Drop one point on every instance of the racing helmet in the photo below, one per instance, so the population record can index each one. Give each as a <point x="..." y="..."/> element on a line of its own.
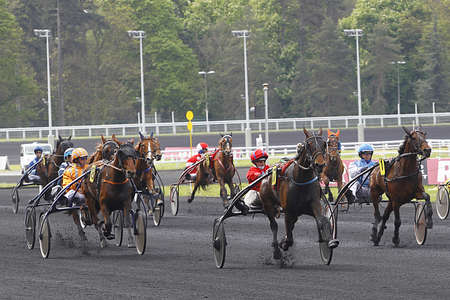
<point x="202" y="148"/>
<point x="258" y="155"/>
<point x="79" y="152"/>
<point x="38" y="148"/>
<point x="68" y="153"/>
<point x="365" y="148"/>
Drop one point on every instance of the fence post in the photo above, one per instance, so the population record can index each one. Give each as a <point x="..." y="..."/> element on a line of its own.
<point x="294" y="125"/>
<point x="156" y="123"/>
<point x="123" y="130"/>
<point x="434" y="113"/>
<point x="415" y="111"/>
<point x="23" y="134"/>
<point x="90" y="131"/>
<point x="7" y="134"/>
<point x="174" y="128"/>
<point x="106" y="131"/>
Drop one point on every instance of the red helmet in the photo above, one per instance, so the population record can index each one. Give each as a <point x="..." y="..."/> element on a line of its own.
<point x="258" y="154"/>
<point x="202" y="147"/>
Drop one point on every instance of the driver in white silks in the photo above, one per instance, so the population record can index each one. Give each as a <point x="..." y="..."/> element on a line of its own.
<point x="360" y="188"/>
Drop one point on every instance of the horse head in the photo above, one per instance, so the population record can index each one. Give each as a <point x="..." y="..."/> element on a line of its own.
<point x="415" y="142"/>
<point x="109" y="148"/>
<point x="225" y="144"/>
<point x="333" y="147"/>
<point x="149" y="147"/>
<point x="125" y="157"/>
<point x="313" y="151"/>
<point x="63" y="144"/>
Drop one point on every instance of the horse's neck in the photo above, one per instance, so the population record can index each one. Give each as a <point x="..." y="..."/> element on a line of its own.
<point x="226" y="160"/>
<point x="298" y="172"/>
<point x="115" y="174"/>
<point x="407" y="164"/>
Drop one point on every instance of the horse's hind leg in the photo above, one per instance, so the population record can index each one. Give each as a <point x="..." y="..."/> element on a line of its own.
<point x="397" y="223"/>
<point x="128" y="225"/>
<point x="274" y="228"/>
<point x="387" y="213"/>
<point x="191" y="198"/>
<point x="428" y="210"/>
<point x="289" y="222"/>
<point x="81" y="232"/>
<point x="375" y="197"/>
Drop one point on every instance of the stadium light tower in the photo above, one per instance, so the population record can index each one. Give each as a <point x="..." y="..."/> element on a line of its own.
<point x="357" y="33"/>
<point x="204" y="73"/>
<point x="45" y="33"/>
<point x="399" y="62"/>
<point x="140" y="34"/>
<point x="248" y="133"/>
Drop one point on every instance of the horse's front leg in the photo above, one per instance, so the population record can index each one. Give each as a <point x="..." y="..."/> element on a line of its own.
<point x="428" y="210"/>
<point x="382" y="227"/>
<point x="289" y="223"/>
<point x="191" y="198"/>
<point x="223" y="193"/>
<point x="397" y="223"/>
<point x="326" y="182"/>
<point x="274" y="228"/>
<point x="231" y="186"/>
<point x="375" y="197"/>
<point x="128" y="225"/>
<point x="107" y="222"/>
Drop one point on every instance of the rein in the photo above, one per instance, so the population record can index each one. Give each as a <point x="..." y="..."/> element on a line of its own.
<point x="303" y="183"/>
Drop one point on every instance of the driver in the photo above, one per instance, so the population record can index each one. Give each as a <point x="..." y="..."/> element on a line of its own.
<point x="32" y="176"/>
<point x="361" y="188"/>
<point x="258" y="158"/>
<point x="79" y="165"/>
<point x="202" y="148"/>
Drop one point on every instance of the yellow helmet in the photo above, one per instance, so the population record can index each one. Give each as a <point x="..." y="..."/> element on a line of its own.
<point x="79" y="152"/>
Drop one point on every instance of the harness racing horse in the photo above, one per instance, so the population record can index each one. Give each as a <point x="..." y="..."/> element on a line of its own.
<point x="222" y="170"/>
<point x="334" y="167"/>
<point x="298" y="192"/>
<point x="110" y="189"/>
<point x="401" y="183"/>
<point x="148" y="149"/>
<point x="105" y="150"/>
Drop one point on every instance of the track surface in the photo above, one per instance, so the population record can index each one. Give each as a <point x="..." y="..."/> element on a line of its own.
<point x="178" y="262"/>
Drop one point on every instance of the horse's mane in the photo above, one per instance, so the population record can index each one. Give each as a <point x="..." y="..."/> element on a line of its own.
<point x="401" y="149"/>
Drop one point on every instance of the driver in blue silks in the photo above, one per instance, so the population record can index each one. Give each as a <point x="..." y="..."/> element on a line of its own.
<point x="32" y="176"/>
<point x="361" y="188"/>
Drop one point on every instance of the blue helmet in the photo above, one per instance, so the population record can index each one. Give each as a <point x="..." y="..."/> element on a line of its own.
<point x="38" y="148"/>
<point x="365" y="148"/>
<point x="68" y="153"/>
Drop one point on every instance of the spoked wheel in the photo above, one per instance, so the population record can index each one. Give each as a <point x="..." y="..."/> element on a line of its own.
<point x="117" y="226"/>
<point x="157" y="214"/>
<point x="44" y="237"/>
<point x="139" y="205"/>
<point x="420" y="224"/>
<point x="219" y="243"/>
<point x="30" y="227"/>
<point x="15" y="200"/>
<point x="326" y="252"/>
<point x="140" y="232"/>
<point x="327" y="211"/>
<point x="174" y="199"/>
<point x="442" y="202"/>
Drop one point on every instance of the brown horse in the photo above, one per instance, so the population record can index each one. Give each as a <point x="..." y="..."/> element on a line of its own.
<point x="110" y="189"/>
<point x="48" y="168"/>
<point x="297" y="191"/>
<point x="105" y="150"/>
<point x="401" y="183"/>
<point x="334" y="167"/>
<point x="221" y="169"/>
<point x="148" y="149"/>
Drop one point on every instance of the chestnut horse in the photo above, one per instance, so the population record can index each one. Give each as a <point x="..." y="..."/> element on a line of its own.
<point x="105" y="150"/>
<point x="110" y="189"/>
<point x="222" y="170"/>
<point x="401" y="183"/>
<point x="148" y="149"/>
<point x="334" y="167"/>
<point x="297" y="191"/>
<point x="48" y="167"/>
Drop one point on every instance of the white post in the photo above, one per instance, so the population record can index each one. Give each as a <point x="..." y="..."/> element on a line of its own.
<point x="266" y="113"/>
<point x="174" y="128"/>
<point x="415" y="111"/>
<point x="360" y="125"/>
<point x="156" y="123"/>
<point x="434" y="113"/>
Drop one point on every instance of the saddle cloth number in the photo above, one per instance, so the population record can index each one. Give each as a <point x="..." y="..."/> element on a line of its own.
<point x="206" y="160"/>
<point x="382" y="168"/>
<point x="274" y="175"/>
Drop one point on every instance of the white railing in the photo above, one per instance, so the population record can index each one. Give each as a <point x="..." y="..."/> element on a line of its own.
<point x="440" y="147"/>
<point x="229" y="125"/>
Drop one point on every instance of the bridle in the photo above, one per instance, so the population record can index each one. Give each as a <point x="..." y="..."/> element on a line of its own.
<point x="225" y="145"/>
<point x="310" y="154"/>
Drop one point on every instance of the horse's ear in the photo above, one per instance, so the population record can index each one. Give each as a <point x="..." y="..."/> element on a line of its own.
<point x="103" y="139"/>
<point x="131" y="141"/>
<point x="338" y="132"/>
<point x="221" y="135"/>
<point x="320" y="131"/>
<point x="231" y="134"/>
<point x="329" y="132"/>
<point x="69" y="138"/>
<point x="60" y="138"/>
<point x="406" y="130"/>
<point x="151" y="134"/>
<point x="141" y="136"/>
<point x="305" y="132"/>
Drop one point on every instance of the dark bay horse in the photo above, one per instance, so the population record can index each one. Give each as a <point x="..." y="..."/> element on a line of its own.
<point x="110" y="189"/>
<point x="221" y="168"/>
<point x="105" y="150"/>
<point x="148" y="149"/>
<point x="334" y="167"/>
<point x="297" y="191"/>
<point x="48" y="168"/>
<point x="401" y="183"/>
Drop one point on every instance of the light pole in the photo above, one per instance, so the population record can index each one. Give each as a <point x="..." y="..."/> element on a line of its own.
<point x="140" y="34"/>
<point x="248" y="133"/>
<point x="357" y="33"/>
<point x="204" y="73"/>
<point x="266" y="113"/>
<point x="399" y="62"/>
<point x="46" y="33"/>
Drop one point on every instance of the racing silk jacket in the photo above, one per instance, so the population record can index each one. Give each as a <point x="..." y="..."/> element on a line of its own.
<point x="63" y="167"/>
<point x="195" y="158"/>
<point x="70" y="174"/>
<point x="356" y="167"/>
<point x="32" y="165"/>
<point x="253" y="174"/>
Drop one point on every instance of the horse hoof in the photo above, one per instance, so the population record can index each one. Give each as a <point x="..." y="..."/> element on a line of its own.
<point x="429" y="223"/>
<point x="396" y="241"/>
<point x="285" y="244"/>
<point x="83" y="237"/>
<point x="189" y="200"/>
<point x="103" y="243"/>
<point x="277" y="254"/>
<point x="333" y="243"/>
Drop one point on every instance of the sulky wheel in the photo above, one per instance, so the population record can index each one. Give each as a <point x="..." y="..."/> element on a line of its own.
<point x="30" y="227"/>
<point x="174" y="199"/>
<point x="140" y="232"/>
<point x="117" y="226"/>
<point x="15" y="200"/>
<point x="420" y="224"/>
<point x="442" y="202"/>
<point x="44" y="237"/>
<point x="157" y="214"/>
<point x="327" y="211"/>
<point x="219" y="243"/>
<point x="326" y="252"/>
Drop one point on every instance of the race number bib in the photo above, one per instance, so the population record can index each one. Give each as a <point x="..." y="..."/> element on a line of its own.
<point x="92" y="174"/>
<point x="382" y="169"/>
<point x="274" y="175"/>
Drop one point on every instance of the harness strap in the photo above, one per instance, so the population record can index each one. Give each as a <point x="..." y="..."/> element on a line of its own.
<point x="303" y="183"/>
<point x="112" y="182"/>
